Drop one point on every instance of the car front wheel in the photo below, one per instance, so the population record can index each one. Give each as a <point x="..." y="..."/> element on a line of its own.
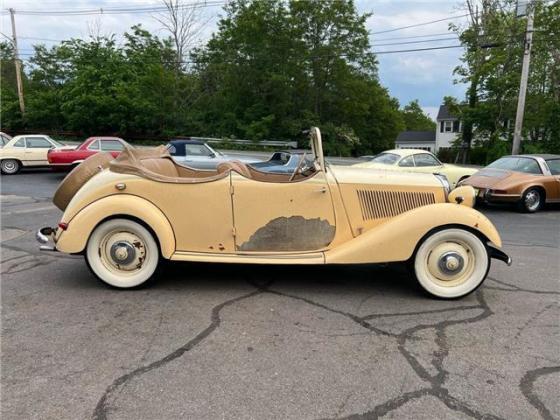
<point x="531" y="201"/>
<point x="122" y="253"/>
<point x="10" y="166"/>
<point x="451" y="263"/>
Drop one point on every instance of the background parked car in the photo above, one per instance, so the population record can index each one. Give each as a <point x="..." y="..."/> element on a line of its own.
<point x="416" y="160"/>
<point x="198" y="154"/>
<point x="527" y="180"/>
<point x="4" y="139"/>
<point x="29" y="150"/>
<point x="283" y="162"/>
<point x="66" y="159"/>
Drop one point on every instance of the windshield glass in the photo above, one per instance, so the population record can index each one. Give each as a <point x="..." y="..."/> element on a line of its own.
<point x="518" y="164"/>
<point x="385" y="158"/>
<point x="198" y="150"/>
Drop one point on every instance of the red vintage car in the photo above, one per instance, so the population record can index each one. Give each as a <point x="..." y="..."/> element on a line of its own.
<point x="68" y="159"/>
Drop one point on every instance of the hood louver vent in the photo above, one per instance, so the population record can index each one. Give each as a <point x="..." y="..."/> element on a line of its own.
<point x="383" y="204"/>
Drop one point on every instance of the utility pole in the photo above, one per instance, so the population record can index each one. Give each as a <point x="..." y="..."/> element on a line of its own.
<point x="523" y="83"/>
<point x="17" y="63"/>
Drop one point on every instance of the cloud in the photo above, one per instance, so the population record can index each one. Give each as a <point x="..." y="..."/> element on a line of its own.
<point x="425" y="75"/>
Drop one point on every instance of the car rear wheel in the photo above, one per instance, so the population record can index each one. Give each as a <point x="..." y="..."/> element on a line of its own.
<point x="531" y="201"/>
<point x="10" y="166"/>
<point x="122" y="253"/>
<point x="451" y="263"/>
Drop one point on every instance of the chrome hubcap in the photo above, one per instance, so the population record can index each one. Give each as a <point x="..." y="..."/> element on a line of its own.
<point x="9" y="166"/>
<point x="451" y="263"/>
<point x="122" y="253"/>
<point x="532" y="200"/>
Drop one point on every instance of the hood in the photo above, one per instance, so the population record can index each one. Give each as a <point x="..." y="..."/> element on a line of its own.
<point x="464" y="169"/>
<point x="365" y="175"/>
<point x="494" y="178"/>
<point x="374" y="165"/>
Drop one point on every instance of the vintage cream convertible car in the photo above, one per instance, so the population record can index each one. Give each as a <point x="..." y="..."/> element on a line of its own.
<point x="125" y="215"/>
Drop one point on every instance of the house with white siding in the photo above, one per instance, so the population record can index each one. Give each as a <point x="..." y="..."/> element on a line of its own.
<point x="447" y="129"/>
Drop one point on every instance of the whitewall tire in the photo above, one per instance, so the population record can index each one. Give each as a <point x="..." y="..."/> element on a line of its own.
<point x="122" y="253"/>
<point x="451" y="263"/>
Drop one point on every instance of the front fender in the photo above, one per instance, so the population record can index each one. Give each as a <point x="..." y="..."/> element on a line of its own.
<point x="75" y="237"/>
<point x="397" y="238"/>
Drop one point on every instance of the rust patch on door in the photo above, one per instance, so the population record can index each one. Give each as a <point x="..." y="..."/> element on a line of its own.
<point x="295" y="233"/>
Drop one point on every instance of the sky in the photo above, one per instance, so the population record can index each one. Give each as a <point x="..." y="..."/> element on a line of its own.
<point x="423" y="75"/>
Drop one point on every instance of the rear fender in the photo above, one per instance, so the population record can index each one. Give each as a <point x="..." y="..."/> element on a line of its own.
<point x="397" y="238"/>
<point x="75" y="237"/>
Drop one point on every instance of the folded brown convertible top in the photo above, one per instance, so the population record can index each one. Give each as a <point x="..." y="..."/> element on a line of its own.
<point x="156" y="163"/>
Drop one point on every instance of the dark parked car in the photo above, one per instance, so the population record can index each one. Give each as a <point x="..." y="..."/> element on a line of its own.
<point x="284" y="162"/>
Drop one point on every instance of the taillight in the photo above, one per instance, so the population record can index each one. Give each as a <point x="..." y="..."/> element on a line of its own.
<point x="63" y="225"/>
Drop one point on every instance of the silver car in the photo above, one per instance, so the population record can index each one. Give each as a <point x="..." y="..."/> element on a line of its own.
<point x="198" y="154"/>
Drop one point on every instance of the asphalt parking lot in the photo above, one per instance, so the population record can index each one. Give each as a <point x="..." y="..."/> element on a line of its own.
<point x="259" y="342"/>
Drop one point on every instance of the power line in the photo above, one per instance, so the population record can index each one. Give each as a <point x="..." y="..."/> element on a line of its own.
<point x="421" y="24"/>
<point x="414" y="36"/>
<point x="417" y="49"/>
<point x="415" y="42"/>
<point x="119" y="10"/>
<point x="41" y="39"/>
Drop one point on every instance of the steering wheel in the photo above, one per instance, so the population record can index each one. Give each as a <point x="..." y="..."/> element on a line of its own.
<point x="301" y="167"/>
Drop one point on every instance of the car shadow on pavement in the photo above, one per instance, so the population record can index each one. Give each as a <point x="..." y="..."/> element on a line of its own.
<point x="387" y="279"/>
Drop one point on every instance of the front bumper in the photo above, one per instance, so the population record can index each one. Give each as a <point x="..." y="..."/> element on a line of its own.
<point x="44" y="236"/>
<point x="499" y="255"/>
<point x="489" y="196"/>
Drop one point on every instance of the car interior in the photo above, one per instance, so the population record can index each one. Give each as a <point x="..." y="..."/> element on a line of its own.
<point x="158" y="165"/>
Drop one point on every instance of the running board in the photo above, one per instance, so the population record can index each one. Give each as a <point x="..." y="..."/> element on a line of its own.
<point x="306" y="258"/>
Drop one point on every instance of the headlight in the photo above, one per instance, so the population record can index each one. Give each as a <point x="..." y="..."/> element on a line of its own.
<point x="445" y="182"/>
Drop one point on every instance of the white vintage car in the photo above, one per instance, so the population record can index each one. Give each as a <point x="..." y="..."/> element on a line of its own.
<point x="28" y="150"/>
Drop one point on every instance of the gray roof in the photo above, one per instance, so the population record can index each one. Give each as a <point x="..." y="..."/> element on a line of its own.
<point x="416" y="137"/>
<point x="444" y="114"/>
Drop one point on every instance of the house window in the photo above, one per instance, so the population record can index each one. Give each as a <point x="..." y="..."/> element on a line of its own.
<point x="448" y="128"/>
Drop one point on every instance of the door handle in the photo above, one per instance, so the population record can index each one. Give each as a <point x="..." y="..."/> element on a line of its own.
<point x="322" y="190"/>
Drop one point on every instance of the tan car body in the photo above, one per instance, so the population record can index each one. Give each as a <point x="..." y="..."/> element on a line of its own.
<point x="340" y="215"/>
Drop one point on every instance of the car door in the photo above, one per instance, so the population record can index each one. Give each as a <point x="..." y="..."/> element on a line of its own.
<point x="36" y="150"/>
<point x="17" y="150"/>
<point x="201" y="157"/>
<point x="554" y="184"/>
<point x="282" y="217"/>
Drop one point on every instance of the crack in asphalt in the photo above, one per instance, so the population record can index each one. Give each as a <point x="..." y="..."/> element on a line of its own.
<point x="102" y="408"/>
<point x="431" y="311"/>
<point x="435" y="381"/>
<point x="527" y="388"/>
<point x="515" y="288"/>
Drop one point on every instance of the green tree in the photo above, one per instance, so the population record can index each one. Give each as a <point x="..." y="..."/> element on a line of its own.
<point x="491" y="66"/>
<point x="415" y="119"/>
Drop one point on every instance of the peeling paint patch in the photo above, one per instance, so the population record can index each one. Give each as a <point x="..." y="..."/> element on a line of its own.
<point x="295" y="233"/>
